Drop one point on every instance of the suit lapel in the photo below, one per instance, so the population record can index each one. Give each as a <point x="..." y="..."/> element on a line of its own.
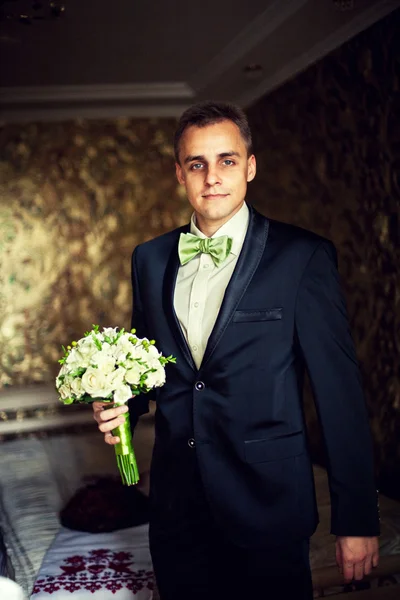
<point x="171" y="273"/>
<point x="249" y="258"/>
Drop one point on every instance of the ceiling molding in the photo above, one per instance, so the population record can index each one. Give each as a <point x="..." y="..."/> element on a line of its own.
<point x="39" y="112"/>
<point x="360" y="22"/>
<point x="221" y="77"/>
<point x="97" y="93"/>
<point x="254" y="33"/>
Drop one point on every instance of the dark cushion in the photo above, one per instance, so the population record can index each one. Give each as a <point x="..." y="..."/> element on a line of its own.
<point x="105" y="505"/>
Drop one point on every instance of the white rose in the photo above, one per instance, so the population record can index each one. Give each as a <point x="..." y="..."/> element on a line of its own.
<point x="96" y="383"/>
<point x="122" y="394"/>
<point x="141" y="352"/>
<point x="153" y="352"/>
<point x="156" y="378"/>
<point x="116" y="378"/>
<point x="103" y="360"/>
<point x="124" y="347"/>
<point x="73" y="361"/>
<point x="133" y="374"/>
<point x="63" y="371"/>
<point x="108" y="348"/>
<point x="76" y="387"/>
<point x="154" y="363"/>
<point x="85" y="349"/>
<point x="65" y="390"/>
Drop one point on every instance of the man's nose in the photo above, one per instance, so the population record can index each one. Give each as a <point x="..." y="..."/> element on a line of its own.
<point x="212" y="176"/>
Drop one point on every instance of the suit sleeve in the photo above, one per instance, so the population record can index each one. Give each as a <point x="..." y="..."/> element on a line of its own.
<point x="325" y="340"/>
<point x="138" y="405"/>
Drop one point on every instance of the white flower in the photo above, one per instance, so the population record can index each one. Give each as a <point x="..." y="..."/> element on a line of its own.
<point x="116" y="378"/>
<point x="96" y="383"/>
<point x="73" y="361"/>
<point x="103" y="360"/>
<point x="122" y="394"/>
<point x="76" y="387"/>
<point x="59" y="379"/>
<point x="133" y="374"/>
<point x="66" y="390"/>
<point x="124" y="347"/>
<point x="85" y="350"/>
<point x="153" y="352"/>
<point x="156" y="378"/>
<point x="110" y="332"/>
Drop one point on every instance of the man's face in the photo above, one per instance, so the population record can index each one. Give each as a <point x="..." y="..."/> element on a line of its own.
<point x="214" y="168"/>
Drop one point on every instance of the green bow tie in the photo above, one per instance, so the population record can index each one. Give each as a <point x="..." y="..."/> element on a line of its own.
<point x="191" y="245"/>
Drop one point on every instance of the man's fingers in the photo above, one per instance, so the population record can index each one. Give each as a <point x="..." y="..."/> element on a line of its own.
<point x="348" y="572"/>
<point x="374" y="551"/>
<point x="104" y="414"/>
<point x="368" y="565"/>
<point x="359" y="570"/>
<point x="111" y="439"/>
<point x="112" y="413"/>
<point x="99" y="405"/>
<point x="110" y="425"/>
<point x="358" y="555"/>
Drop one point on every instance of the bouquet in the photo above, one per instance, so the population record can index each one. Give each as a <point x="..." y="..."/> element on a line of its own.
<point x="112" y="366"/>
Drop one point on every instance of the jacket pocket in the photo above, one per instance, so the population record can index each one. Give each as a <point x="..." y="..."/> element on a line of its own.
<point x="279" y="448"/>
<point x="248" y="315"/>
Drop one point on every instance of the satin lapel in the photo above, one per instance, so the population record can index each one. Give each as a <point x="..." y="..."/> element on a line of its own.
<point x="249" y="258"/>
<point x="171" y="273"/>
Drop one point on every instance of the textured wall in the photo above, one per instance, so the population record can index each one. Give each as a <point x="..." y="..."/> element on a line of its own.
<point x="75" y="198"/>
<point x="327" y="145"/>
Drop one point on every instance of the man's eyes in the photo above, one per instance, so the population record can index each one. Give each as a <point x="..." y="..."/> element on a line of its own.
<point x="227" y="162"/>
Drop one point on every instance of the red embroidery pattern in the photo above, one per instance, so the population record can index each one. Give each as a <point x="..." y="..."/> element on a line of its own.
<point x="99" y="569"/>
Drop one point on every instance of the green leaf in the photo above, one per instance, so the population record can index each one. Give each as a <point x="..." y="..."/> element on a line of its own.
<point x="96" y="341"/>
<point x="78" y="372"/>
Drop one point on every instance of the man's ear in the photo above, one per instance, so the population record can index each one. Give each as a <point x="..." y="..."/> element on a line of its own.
<point x="179" y="174"/>
<point x="251" y="167"/>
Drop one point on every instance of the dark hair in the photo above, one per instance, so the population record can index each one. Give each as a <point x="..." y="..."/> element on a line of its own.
<point x="209" y="113"/>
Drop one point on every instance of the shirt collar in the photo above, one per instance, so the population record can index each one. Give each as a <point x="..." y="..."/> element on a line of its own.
<point x="235" y="228"/>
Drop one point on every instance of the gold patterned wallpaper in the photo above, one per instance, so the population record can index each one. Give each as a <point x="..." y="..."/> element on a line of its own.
<point x="327" y="145"/>
<point x="76" y="197"/>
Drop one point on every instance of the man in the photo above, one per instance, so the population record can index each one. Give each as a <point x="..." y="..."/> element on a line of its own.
<point x="245" y="306"/>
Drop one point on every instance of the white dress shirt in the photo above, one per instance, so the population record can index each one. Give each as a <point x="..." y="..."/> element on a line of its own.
<point x="200" y="285"/>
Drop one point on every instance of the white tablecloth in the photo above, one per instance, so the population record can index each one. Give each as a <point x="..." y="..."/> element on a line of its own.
<point x="97" y="566"/>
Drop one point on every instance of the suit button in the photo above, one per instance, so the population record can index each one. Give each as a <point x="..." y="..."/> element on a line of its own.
<point x="191" y="443"/>
<point x="199" y="385"/>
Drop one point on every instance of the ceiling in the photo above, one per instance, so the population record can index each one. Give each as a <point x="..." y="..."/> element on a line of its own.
<point x="139" y="58"/>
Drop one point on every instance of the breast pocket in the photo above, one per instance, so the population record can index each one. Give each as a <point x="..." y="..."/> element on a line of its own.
<point x="250" y="315"/>
<point x="273" y="449"/>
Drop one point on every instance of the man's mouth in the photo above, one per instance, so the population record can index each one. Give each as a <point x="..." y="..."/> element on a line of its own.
<point x="214" y="196"/>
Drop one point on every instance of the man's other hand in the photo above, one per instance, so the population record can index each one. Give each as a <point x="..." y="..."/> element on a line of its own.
<point x="356" y="556"/>
<point x="108" y="419"/>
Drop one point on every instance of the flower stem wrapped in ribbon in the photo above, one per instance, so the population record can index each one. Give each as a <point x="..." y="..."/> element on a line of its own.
<point x="112" y="366"/>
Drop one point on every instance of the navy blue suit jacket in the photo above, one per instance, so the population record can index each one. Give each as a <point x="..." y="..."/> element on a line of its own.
<point x="283" y="312"/>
